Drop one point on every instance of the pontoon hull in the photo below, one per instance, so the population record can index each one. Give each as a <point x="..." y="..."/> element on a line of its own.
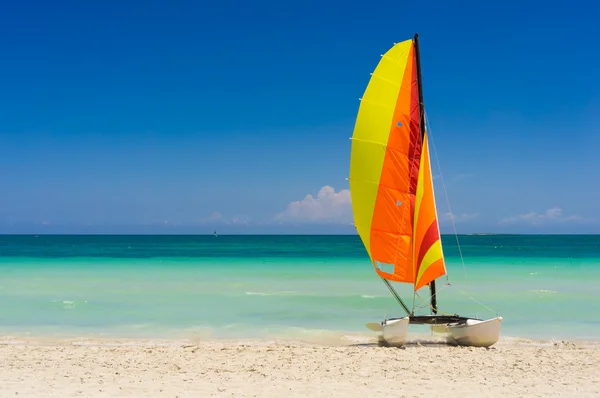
<point x="394" y="332"/>
<point x="472" y="333"/>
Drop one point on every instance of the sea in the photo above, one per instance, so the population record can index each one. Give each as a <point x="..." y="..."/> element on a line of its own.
<point x="283" y="286"/>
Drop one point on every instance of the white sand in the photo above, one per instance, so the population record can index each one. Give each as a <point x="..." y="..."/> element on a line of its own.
<point x="279" y="369"/>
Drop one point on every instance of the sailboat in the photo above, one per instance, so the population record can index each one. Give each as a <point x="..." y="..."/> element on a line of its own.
<point x="393" y="203"/>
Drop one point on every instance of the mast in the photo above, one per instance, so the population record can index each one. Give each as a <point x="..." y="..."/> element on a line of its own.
<point x="422" y="125"/>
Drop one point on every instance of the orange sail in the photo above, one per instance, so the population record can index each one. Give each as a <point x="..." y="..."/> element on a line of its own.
<point x="390" y="174"/>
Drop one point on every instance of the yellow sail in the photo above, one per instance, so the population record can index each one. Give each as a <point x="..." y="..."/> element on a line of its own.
<point x="390" y="176"/>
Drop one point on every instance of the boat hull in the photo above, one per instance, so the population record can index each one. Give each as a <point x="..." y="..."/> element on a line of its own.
<point x="473" y="332"/>
<point x="394" y="332"/>
<point x="468" y="332"/>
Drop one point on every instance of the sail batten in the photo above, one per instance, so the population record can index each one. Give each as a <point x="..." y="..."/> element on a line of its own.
<point x="390" y="176"/>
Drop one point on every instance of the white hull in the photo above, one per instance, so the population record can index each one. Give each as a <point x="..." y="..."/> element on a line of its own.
<point x="393" y="332"/>
<point x="473" y="333"/>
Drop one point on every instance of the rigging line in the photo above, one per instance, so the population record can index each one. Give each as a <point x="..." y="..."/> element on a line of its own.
<point x="452" y="220"/>
<point x="426" y="304"/>
<point x="464" y="292"/>
<point x="436" y="293"/>
<point x="447" y="199"/>
<point x="475" y="300"/>
<point x="396" y="296"/>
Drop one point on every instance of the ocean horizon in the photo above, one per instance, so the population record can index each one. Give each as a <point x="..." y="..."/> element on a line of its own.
<point x="284" y="286"/>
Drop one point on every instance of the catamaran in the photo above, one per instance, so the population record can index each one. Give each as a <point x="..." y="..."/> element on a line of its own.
<point x="393" y="201"/>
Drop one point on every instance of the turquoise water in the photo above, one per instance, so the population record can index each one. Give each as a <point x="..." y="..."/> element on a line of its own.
<point x="283" y="286"/>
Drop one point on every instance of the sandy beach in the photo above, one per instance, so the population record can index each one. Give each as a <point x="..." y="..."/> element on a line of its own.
<point x="115" y="368"/>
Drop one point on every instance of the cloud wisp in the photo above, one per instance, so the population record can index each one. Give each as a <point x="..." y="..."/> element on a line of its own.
<point x="553" y="215"/>
<point x="335" y="207"/>
<point x="216" y="218"/>
<point x="328" y="206"/>
<point x="459" y="218"/>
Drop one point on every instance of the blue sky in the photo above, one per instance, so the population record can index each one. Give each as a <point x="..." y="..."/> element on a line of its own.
<point x="156" y="116"/>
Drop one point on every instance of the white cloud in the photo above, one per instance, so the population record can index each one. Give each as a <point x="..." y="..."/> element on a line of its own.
<point x="552" y="215"/>
<point x="457" y="218"/>
<point x="217" y="218"/>
<point x="328" y="206"/>
<point x="214" y="217"/>
<point x="238" y="220"/>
